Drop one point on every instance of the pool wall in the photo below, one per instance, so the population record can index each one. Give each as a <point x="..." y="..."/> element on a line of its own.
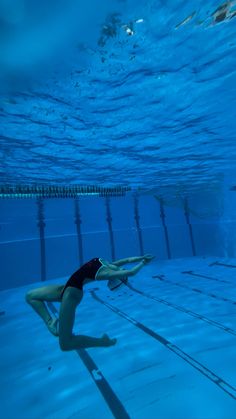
<point x="49" y="238"/>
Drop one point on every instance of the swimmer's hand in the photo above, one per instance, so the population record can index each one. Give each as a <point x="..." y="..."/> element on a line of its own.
<point x="148" y="258"/>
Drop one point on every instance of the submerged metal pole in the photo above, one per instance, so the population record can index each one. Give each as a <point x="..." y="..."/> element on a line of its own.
<point x="41" y="225"/>
<point x="186" y="213"/>
<point x="162" y="215"/>
<point x="109" y="222"/>
<point x="78" y="228"/>
<point x="137" y="220"/>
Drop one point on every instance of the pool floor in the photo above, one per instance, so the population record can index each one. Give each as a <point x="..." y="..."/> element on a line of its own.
<point x="174" y="358"/>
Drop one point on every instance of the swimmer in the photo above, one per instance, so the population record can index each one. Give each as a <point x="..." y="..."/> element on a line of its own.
<point x="224" y="12"/>
<point x="71" y="294"/>
<point x="129" y="29"/>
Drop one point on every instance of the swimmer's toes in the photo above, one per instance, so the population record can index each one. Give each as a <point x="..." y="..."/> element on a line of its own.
<point x="107" y="341"/>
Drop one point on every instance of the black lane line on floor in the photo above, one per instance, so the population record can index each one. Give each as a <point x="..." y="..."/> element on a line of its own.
<point x="217" y="297"/>
<point x="222" y="264"/>
<point x="110" y="397"/>
<point x="184" y="310"/>
<point x="207" y="277"/>
<point x="222" y="384"/>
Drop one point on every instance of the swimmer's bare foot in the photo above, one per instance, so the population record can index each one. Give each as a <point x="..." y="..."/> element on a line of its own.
<point x="106" y="341"/>
<point x="52" y="326"/>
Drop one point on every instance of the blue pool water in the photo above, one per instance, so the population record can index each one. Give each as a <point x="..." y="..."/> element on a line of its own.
<point x="153" y="110"/>
<point x="117" y="139"/>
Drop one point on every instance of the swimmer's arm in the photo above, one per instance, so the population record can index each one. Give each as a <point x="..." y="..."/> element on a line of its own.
<point x="111" y="274"/>
<point x="134" y="259"/>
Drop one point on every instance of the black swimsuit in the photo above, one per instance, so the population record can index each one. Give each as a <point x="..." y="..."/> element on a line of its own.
<point x="88" y="270"/>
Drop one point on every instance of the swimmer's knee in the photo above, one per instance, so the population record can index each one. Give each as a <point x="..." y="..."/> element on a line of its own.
<point x="64" y="348"/>
<point x="64" y="345"/>
<point x="28" y="297"/>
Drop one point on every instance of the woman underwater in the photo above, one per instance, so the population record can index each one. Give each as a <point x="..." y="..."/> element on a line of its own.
<point x="71" y="294"/>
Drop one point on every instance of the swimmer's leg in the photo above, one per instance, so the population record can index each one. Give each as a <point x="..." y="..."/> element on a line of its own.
<point x="36" y="299"/>
<point x="68" y="342"/>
